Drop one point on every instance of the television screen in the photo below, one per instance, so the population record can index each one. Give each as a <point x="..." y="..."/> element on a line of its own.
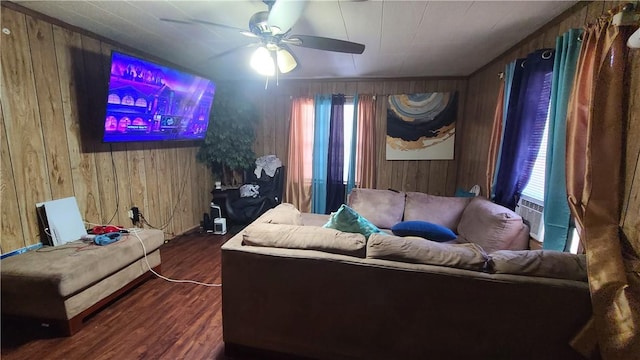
<point x="152" y="102"/>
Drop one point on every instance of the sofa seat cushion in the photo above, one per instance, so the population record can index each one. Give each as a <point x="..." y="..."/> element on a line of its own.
<point x="304" y="237"/>
<point x="284" y="213"/>
<point x="383" y="208"/>
<point x="348" y="220"/>
<point x="441" y="210"/>
<point x="421" y="251"/>
<point x="70" y="268"/>
<point x="542" y="263"/>
<point x="493" y="227"/>
<point x="424" y="229"/>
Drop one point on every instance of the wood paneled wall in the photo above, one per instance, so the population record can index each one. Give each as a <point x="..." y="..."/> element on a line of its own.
<point x="435" y="177"/>
<point x="53" y="80"/>
<point x="53" y="87"/>
<point x="475" y="127"/>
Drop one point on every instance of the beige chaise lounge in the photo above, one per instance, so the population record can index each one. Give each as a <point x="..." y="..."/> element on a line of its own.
<point x="58" y="287"/>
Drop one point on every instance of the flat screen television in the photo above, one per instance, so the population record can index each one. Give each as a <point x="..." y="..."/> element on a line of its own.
<point x="147" y="101"/>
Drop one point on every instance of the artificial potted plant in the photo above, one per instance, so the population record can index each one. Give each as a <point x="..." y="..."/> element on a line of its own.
<point x="228" y="147"/>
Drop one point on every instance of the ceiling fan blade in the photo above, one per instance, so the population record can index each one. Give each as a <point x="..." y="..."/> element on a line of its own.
<point x="322" y="43"/>
<point x="284" y="14"/>
<point x="205" y="22"/>
<point x="249" y="34"/>
<point x="227" y="52"/>
<point x="178" y="21"/>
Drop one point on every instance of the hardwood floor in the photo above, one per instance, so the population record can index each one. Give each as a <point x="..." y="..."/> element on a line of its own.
<point x="157" y="320"/>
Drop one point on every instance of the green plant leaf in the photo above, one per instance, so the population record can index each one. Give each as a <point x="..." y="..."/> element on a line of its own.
<point x="231" y="134"/>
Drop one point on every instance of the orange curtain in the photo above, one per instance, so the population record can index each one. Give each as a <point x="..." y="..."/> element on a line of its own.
<point x="365" y="148"/>
<point x="300" y="155"/>
<point x="595" y="144"/>
<point x="494" y="145"/>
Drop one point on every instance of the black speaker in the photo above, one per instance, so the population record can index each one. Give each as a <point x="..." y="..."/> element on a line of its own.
<point x="207" y="224"/>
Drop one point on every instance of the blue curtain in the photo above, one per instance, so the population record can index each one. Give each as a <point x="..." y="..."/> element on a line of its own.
<point x="512" y="95"/>
<point x="351" y="176"/>
<point x="322" y="105"/>
<point x="509" y="72"/>
<point x="335" y="158"/>
<point x="557" y="215"/>
<point x="526" y="119"/>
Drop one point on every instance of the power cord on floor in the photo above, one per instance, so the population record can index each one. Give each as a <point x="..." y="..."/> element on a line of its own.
<point x="135" y="231"/>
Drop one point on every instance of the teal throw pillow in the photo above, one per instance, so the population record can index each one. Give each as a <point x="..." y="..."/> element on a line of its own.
<point x="424" y="229"/>
<point x="348" y="220"/>
<point x="463" y="193"/>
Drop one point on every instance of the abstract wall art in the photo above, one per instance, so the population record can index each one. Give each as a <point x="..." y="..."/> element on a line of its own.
<point x="421" y="126"/>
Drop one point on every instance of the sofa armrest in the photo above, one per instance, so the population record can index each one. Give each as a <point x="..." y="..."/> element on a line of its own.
<point x="492" y="226"/>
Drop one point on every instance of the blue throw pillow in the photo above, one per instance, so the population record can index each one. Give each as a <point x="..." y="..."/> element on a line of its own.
<point x="424" y="229"/>
<point x="348" y="220"/>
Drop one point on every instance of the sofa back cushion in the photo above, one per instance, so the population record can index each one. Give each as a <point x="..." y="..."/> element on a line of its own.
<point x="543" y="263"/>
<point x="493" y="227"/>
<point x="304" y="237"/>
<point x="441" y="210"/>
<point x="311" y="219"/>
<point x="422" y="251"/>
<point x="284" y="213"/>
<point x="383" y="208"/>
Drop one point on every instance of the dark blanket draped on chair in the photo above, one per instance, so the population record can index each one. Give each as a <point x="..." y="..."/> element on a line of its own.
<point x="243" y="210"/>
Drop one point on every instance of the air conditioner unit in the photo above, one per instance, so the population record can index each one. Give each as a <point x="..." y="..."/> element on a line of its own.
<point x="531" y="210"/>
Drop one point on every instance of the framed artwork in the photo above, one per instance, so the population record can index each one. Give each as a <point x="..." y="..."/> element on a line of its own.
<point x="421" y="126"/>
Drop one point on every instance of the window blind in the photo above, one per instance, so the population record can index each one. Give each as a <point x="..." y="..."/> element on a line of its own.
<point x="535" y="187"/>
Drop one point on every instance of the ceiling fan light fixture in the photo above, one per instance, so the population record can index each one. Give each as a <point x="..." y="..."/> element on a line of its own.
<point x="262" y="62"/>
<point x="286" y="61"/>
<point x="275" y="30"/>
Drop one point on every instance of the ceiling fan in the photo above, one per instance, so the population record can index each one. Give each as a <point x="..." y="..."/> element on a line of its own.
<point x="272" y="29"/>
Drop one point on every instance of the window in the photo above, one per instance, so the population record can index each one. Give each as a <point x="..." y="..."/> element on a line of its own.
<point x="519" y="177"/>
<point x="348" y="136"/>
<point x="574" y="240"/>
<point x="306" y="123"/>
<point x="348" y="110"/>
<point x="535" y="187"/>
<point x="532" y="196"/>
